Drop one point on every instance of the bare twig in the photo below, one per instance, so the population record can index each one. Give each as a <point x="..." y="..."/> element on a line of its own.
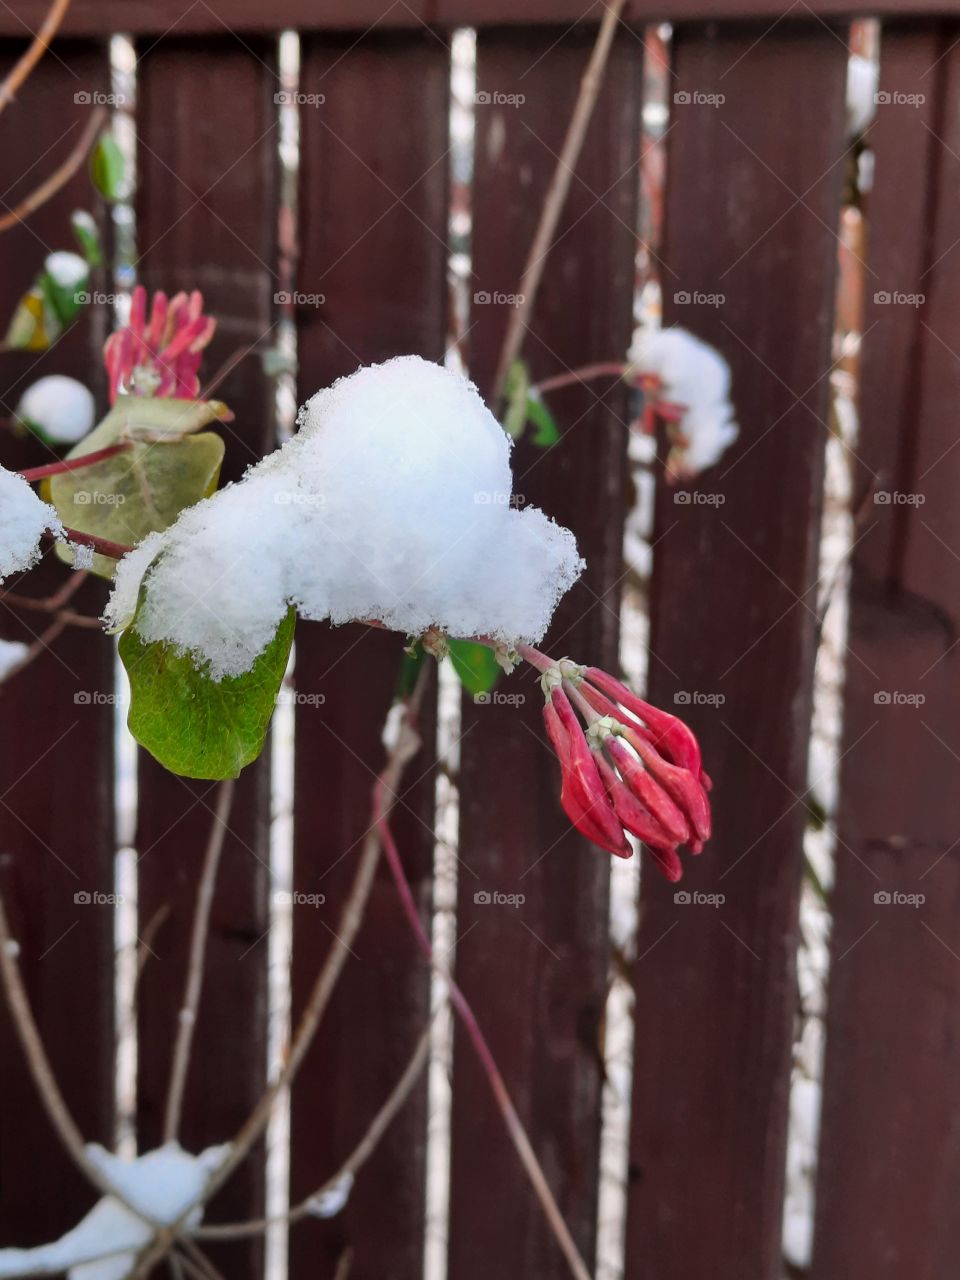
<point x="351" y="917"/>
<point x="37" y="49"/>
<point x="587" y="373"/>
<point x="556" y="196"/>
<point x="350" y="1167"/>
<point x="349" y="924"/>
<point x="40" y="645"/>
<point x="102" y="546"/>
<point x="154" y="925"/>
<point x="50" y="604"/>
<point x="41" y="1071"/>
<point x="198" y="948"/>
<point x="515" y="1129"/>
<point x="344" y="1264"/>
<point x="63" y="466"/>
<point x="60" y="176"/>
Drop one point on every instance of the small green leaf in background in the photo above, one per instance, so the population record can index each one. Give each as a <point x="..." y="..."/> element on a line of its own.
<point x="476" y="665"/>
<point x="195" y="726"/>
<point x="87" y="235"/>
<point x="167" y="468"/>
<point x="515" y="392"/>
<point x="107" y="167"/>
<point x="547" y="432"/>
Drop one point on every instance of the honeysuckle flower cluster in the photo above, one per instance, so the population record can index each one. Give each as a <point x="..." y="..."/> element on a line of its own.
<point x="159" y="356"/>
<point x="626" y="766"/>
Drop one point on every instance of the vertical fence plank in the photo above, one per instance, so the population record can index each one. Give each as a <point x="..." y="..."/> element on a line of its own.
<point x="752" y="217"/>
<point x="889" y="1154"/>
<point x="206" y="209"/>
<point x="56" y="757"/>
<point x="536" y="975"/>
<point x="373" y="207"/>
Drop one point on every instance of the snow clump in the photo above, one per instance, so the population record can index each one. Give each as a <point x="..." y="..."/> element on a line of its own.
<point x="24" y="519"/>
<point x="393" y="503"/>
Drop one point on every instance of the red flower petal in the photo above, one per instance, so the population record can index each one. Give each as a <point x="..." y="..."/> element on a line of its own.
<point x="671" y="735"/>
<point x="648" y="790"/>
<point x="582" y="792"/>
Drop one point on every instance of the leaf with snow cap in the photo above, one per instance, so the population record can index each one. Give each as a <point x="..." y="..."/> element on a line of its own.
<point x="87" y="235"/>
<point x="167" y="468"/>
<point x="196" y="726"/>
<point x="51" y="303"/>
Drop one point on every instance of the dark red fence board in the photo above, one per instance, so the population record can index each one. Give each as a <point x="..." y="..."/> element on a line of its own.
<point x="536" y="975"/>
<point x="188" y="17"/>
<point x="750" y="216"/>
<point x="889" y="1154"/>
<point x="373" y="234"/>
<point x="206" y="206"/>
<point x="56" y="799"/>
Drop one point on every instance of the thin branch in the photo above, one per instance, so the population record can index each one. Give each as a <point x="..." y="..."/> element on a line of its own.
<point x="43" y="642"/>
<point x="69" y="617"/>
<point x="351" y="918"/>
<point x="350" y="1167"/>
<point x="60" y="176"/>
<point x="65" y="465"/>
<point x="38" y="48"/>
<point x="515" y="1128"/>
<point x="587" y="373"/>
<point x="198" y="948"/>
<point x="344" y="1264"/>
<point x="41" y="1071"/>
<point x="154" y="925"/>
<point x="556" y="196"/>
<point x="102" y="546"/>
<point x="50" y="604"/>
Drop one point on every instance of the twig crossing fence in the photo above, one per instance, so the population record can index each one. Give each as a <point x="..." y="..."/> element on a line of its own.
<point x="752" y="207"/>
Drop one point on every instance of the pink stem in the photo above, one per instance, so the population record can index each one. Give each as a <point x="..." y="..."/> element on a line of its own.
<point x="75" y="464"/>
<point x="103" y="546"/>
<point x="459" y="1001"/>
<point x="610" y="369"/>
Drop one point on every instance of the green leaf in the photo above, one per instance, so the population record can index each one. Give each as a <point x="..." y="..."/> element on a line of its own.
<point x="195" y="726"/>
<point x="166" y="469"/>
<point x="515" y="392"/>
<point x="34" y="325"/>
<point x="476" y="665"/>
<point x="547" y="431"/>
<point x="87" y="235"/>
<point x="107" y="167"/>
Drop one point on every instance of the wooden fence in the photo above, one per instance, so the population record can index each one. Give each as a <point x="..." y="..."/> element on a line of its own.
<point x="752" y="207"/>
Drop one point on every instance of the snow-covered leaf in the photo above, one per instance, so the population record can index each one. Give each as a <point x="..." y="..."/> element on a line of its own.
<point x="167" y="468"/>
<point x="87" y="234"/>
<point x="50" y="304"/>
<point x="58" y="409"/>
<point x="196" y="726"/>
<point x="391" y="503"/>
